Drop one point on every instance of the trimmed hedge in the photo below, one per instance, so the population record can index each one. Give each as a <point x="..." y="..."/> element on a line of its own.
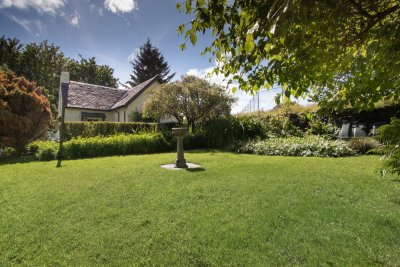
<point x="308" y="146"/>
<point x="102" y="146"/>
<point x="92" y="129"/>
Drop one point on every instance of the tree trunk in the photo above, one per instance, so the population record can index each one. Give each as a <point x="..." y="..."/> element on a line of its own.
<point x="193" y="125"/>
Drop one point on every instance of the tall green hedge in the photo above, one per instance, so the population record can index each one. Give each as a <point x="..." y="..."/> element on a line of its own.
<point x="92" y="129"/>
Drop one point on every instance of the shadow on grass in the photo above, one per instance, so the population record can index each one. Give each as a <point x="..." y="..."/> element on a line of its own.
<point x="396" y="180"/>
<point x="15" y="160"/>
<point x="195" y="169"/>
<point x="206" y="150"/>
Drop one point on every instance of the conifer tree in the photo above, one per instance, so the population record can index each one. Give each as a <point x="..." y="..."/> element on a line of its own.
<point x="149" y="63"/>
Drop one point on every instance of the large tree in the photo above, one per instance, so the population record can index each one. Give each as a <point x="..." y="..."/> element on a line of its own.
<point x="24" y="111"/>
<point x="192" y="97"/>
<point x="148" y="63"/>
<point x="42" y="63"/>
<point x="88" y="71"/>
<point x="345" y="53"/>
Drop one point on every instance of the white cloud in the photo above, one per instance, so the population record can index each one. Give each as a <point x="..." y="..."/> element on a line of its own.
<point x="133" y="55"/>
<point x="75" y="20"/>
<point x="100" y="12"/>
<point x="121" y="6"/>
<point x="34" y="27"/>
<point x="42" y="6"/>
<point x="24" y="23"/>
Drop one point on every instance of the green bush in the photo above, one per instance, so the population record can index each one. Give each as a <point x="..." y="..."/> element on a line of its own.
<point x="389" y="135"/>
<point x="223" y="132"/>
<point x="92" y="129"/>
<point x="310" y="146"/>
<point x="43" y="150"/>
<point x="320" y="126"/>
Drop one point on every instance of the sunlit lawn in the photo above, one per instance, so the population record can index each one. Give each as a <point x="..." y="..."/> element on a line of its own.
<point x="242" y="210"/>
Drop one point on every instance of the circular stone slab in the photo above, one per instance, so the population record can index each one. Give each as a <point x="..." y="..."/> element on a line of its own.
<point x="172" y="166"/>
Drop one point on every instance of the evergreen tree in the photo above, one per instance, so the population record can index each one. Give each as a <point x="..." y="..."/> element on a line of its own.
<point x="149" y="63"/>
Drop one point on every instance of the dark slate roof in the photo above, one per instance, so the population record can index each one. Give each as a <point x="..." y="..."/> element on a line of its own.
<point x="90" y="96"/>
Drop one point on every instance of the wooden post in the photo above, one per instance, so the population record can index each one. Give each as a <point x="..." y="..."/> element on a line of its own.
<point x="64" y="84"/>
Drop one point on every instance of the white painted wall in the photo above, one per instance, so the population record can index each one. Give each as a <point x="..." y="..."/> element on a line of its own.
<point x="75" y="114"/>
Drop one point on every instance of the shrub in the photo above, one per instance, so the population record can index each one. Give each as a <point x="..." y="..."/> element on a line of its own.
<point x="43" y="150"/>
<point x="389" y="135"/>
<point x="363" y="145"/>
<point x="321" y="126"/>
<point x="223" y="132"/>
<point x="24" y="111"/>
<point x="92" y="129"/>
<point x="311" y="146"/>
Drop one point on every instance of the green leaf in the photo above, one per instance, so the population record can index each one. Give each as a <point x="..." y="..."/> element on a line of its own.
<point x="249" y="45"/>
<point x="181" y="28"/>
<point x="193" y="38"/>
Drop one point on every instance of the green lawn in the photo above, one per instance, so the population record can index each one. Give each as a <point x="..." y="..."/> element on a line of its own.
<point x="239" y="210"/>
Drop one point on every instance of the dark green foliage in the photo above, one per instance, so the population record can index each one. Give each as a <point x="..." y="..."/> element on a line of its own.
<point x="223" y="132"/>
<point x="308" y="146"/>
<point x="87" y="71"/>
<point x="92" y="129"/>
<point x="389" y="135"/>
<point x="149" y="63"/>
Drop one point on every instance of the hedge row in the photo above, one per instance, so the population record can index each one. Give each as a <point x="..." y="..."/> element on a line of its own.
<point x="102" y="146"/>
<point x="92" y="129"/>
<point x="114" y="145"/>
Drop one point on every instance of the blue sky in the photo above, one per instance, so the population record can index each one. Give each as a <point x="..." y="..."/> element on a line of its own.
<point x="112" y="31"/>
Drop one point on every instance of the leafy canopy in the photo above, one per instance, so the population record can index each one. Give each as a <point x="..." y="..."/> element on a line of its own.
<point x="344" y="53"/>
<point x="192" y="97"/>
<point x="24" y="111"/>
<point x="42" y="62"/>
<point x="88" y="71"/>
<point x="149" y="63"/>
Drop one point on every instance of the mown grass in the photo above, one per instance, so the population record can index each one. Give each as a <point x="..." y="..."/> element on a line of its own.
<point x="238" y="210"/>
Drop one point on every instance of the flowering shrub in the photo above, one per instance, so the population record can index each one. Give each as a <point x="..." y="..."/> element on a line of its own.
<point x="308" y="146"/>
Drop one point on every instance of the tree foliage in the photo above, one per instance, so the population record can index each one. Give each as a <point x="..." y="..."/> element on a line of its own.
<point x="192" y="97"/>
<point x="42" y="63"/>
<point x="88" y="71"/>
<point x="24" y="111"/>
<point x="344" y="53"/>
<point x="149" y="63"/>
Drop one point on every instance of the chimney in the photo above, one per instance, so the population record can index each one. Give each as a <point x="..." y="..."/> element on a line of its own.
<point x="64" y="77"/>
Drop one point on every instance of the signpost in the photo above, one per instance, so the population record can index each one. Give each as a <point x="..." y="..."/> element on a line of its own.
<point x="64" y="84"/>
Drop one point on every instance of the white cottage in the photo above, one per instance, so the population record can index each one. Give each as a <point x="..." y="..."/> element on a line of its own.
<point x="89" y="102"/>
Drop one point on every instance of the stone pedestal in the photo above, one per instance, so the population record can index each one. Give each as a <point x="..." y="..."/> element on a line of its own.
<point x="180" y="134"/>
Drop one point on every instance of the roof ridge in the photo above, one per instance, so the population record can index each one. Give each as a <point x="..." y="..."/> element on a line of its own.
<point x="149" y="80"/>
<point x="91" y="84"/>
<point x="138" y="89"/>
